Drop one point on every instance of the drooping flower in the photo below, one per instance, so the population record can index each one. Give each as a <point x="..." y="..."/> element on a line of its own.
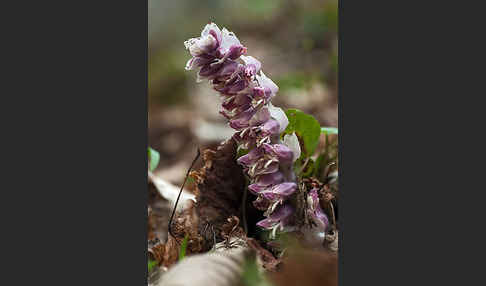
<point x="214" y="52"/>
<point x="280" y="219"/>
<point x="315" y="211"/>
<point x="265" y="181"/>
<point x="246" y="94"/>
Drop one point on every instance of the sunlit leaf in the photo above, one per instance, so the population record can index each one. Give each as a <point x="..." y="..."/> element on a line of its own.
<point x="306" y="127"/>
<point x="154" y="158"/>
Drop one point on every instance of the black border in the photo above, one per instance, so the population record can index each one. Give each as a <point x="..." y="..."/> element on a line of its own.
<point x="78" y="136"/>
<point x="76" y="139"/>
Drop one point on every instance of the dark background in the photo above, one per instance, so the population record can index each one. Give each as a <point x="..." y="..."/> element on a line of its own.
<point x="74" y="142"/>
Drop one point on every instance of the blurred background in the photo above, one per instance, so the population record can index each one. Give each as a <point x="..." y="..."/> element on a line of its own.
<point x="296" y="41"/>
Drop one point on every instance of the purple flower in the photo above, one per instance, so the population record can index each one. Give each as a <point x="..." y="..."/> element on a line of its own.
<point x="230" y="46"/>
<point x="261" y="204"/>
<point x="202" y="45"/>
<point x="235" y="105"/>
<point x="265" y="181"/>
<point x="282" y="152"/>
<point x="265" y="159"/>
<point x="214" y="52"/>
<point x="277" y="194"/>
<point x="283" y="190"/>
<point x="256" y="163"/>
<point x="250" y="118"/>
<point x="246" y="93"/>
<point x="267" y="84"/>
<point x="250" y="158"/>
<point x="280" y="219"/>
<point x="252" y="65"/>
<point x="315" y="211"/>
<point x="257" y="135"/>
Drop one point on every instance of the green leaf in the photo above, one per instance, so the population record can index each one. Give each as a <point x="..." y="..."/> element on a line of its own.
<point x="306" y="127"/>
<point x="154" y="158"/>
<point x="182" y="251"/>
<point x="151" y="264"/>
<point x="329" y="130"/>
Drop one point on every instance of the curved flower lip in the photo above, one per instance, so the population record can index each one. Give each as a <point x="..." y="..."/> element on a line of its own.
<point x="278" y="114"/>
<point x="233" y="86"/>
<point x="202" y="45"/>
<point x="212" y="29"/>
<point x="263" y="167"/>
<point x="207" y="43"/>
<point x="278" y="193"/>
<point x="321" y="217"/>
<point x="256" y="135"/>
<point x="279" y="150"/>
<point x="250" y="158"/>
<point x="267" y="83"/>
<point x="228" y="40"/>
<point x="236" y="101"/>
<point x="291" y="141"/>
<point x="270" y="179"/>
<point x="270" y="127"/>
<point x="284" y="189"/>
<point x="242" y="120"/>
<point x="259" y="96"/>
<point x="260" y="117"/>
<point x="250" y="118"/>
<point x="209" y="71"/>
<point x="234" y="111"/>
<point x="252" y="65"/>
<point x="235" y="52"/>
<point x="197" y="62"/>
<point x="280" y="215"/>
<point x="227" y="69"/>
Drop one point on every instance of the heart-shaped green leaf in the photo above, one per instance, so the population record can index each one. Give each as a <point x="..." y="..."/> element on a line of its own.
<point x="306" y="127"/>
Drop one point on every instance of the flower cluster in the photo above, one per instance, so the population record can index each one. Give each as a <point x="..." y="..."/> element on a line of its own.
<point x="246" y="102"/>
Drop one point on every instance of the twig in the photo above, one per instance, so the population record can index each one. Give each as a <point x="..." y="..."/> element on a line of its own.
<point x="245" y="192"/>
<point x="333" y="216"/>
<point x="180" y="192"/>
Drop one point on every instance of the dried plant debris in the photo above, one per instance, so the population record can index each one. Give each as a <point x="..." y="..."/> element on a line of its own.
<point x="266" y="258"/>
<point x="234" y="235"/>
<point x="158" y="214"/>
<point x="220" y="186"/>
